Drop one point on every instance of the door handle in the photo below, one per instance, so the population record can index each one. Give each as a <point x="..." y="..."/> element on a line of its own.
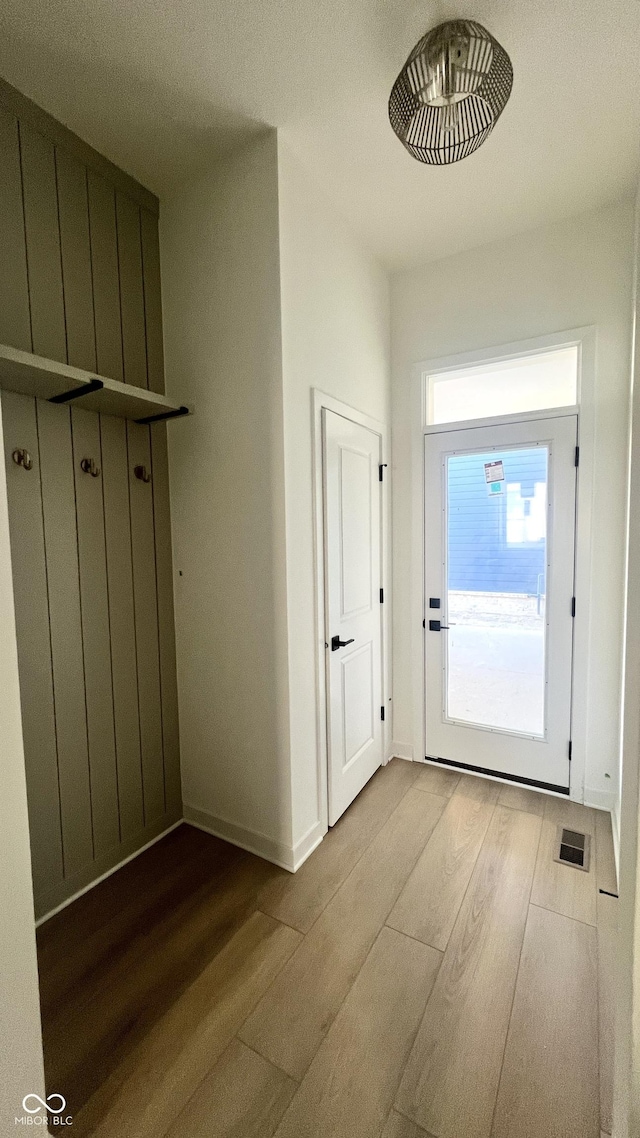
<point x="336" y="643"/>
<point x="435" y="626"/>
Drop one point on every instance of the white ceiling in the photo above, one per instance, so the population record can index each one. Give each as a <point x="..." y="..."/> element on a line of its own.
<point x="161" y="85"/>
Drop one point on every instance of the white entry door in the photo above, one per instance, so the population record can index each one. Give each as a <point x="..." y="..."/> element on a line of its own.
<point x="499" y="540"/>
<point x="352" y="494"/>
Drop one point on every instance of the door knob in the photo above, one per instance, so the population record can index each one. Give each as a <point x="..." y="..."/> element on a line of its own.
<point x="435" y="626"/>
<point x="336" y="643"/>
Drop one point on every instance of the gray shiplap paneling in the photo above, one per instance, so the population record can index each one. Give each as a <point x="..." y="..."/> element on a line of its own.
<point x="34" y="648"/>
<point x="131" y="291"/>
<point x="80" y="282"/>
<point x="106" y="282"/>
<point x="77" y="282"/>
<point x="152" y="299"/>
<point x="122" y="623"/>
<point x="58" y="503"/>
<point x="95" y="632"/>
<point x="29" y="112"/>
<point x="146" y="622"/>
<point x="15" y="321"/>
<point x="166" y="620"/>
<point x="43" y="245"/>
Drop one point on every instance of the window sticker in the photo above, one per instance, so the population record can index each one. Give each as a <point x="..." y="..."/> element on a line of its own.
<point x="494" y="471"/>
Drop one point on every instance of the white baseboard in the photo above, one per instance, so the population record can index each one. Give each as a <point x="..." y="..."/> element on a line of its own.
<point x="103" y="876"/>
<point x="307" y="844"/>
<point x="401" y="751"/>
<point x="252" y="840"/>
<point x="260" y="844"/>
<point x="599" y="799"/>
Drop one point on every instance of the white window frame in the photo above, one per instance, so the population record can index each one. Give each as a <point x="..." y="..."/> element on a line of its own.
<point x="585" y="340"/>
<point x="433" y="373"/>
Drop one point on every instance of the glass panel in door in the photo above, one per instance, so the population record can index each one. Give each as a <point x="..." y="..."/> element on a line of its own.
<point x="496" y="568"/>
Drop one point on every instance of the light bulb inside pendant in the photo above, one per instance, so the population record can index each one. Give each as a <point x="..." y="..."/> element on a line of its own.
<point x="449" y="120"/>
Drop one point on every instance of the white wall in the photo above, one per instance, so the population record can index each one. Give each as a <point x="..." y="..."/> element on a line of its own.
<point x="265" y="297"/>
<point x="569" y="275"/>
<point x="335" y="337"/>
<point x="220" y="262"/>
<point x="21" y="1069"/>
<point x="627" y="1051"/>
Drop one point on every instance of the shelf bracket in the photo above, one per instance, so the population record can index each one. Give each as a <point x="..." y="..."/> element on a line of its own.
<point x="78" y="392"/>
<point x="164" y="415"/>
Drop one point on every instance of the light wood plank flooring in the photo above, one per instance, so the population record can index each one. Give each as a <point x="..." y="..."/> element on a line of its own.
<point x="430" y="972"/>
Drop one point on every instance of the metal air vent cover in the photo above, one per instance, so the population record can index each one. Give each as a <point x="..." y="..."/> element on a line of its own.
<point x="573" y="848"/>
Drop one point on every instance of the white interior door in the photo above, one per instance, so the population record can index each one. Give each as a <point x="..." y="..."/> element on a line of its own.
<point x="352" y="492"/>
<point x="499" y="540"/>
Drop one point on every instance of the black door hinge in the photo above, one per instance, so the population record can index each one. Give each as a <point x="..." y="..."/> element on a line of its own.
<point x="380" y="469"/>
<point x="573" y="606"/>
<point x="570" y="749"/>
<point x="424" y="624"/>
<point x="577" y="457"/>
<point x="382" y="713"/>
<point x="382" y="596"/>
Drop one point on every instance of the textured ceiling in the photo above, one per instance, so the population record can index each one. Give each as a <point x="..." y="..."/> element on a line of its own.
<point x="160" y="87"/>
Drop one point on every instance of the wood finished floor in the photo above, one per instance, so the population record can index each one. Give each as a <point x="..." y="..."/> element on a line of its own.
<point x="430" y="971"/>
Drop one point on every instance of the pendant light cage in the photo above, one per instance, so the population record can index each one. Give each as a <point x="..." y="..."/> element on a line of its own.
<point x="450" y="92"/>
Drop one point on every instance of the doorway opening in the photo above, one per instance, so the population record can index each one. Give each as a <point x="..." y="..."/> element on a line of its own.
<point x="499" y="567"/>
<point x="352" y="595"/>
<point x="500" y="496"/>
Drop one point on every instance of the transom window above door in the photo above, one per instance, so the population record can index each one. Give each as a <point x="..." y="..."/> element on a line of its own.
<point x="535" y="382"/>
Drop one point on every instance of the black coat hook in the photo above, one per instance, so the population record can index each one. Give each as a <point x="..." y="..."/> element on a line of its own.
<point x="89" y="467"/>
<point x="21" y="457"/>
<point x="142" y="473"/>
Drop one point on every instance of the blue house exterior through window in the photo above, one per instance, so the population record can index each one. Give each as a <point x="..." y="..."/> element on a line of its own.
<point x="497" y="538"/>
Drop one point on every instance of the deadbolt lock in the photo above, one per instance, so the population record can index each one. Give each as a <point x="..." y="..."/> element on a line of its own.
<point x="21" y="457"/>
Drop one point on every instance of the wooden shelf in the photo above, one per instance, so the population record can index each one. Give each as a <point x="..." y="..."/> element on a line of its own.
<point x="33" y="375"/>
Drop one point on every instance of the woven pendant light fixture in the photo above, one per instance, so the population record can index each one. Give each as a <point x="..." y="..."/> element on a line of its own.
<point x="450" y="92"/>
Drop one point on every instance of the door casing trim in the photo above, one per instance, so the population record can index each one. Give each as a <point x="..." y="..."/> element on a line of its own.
<point x="319" y="401"/>
<point x="585" y="340"/>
